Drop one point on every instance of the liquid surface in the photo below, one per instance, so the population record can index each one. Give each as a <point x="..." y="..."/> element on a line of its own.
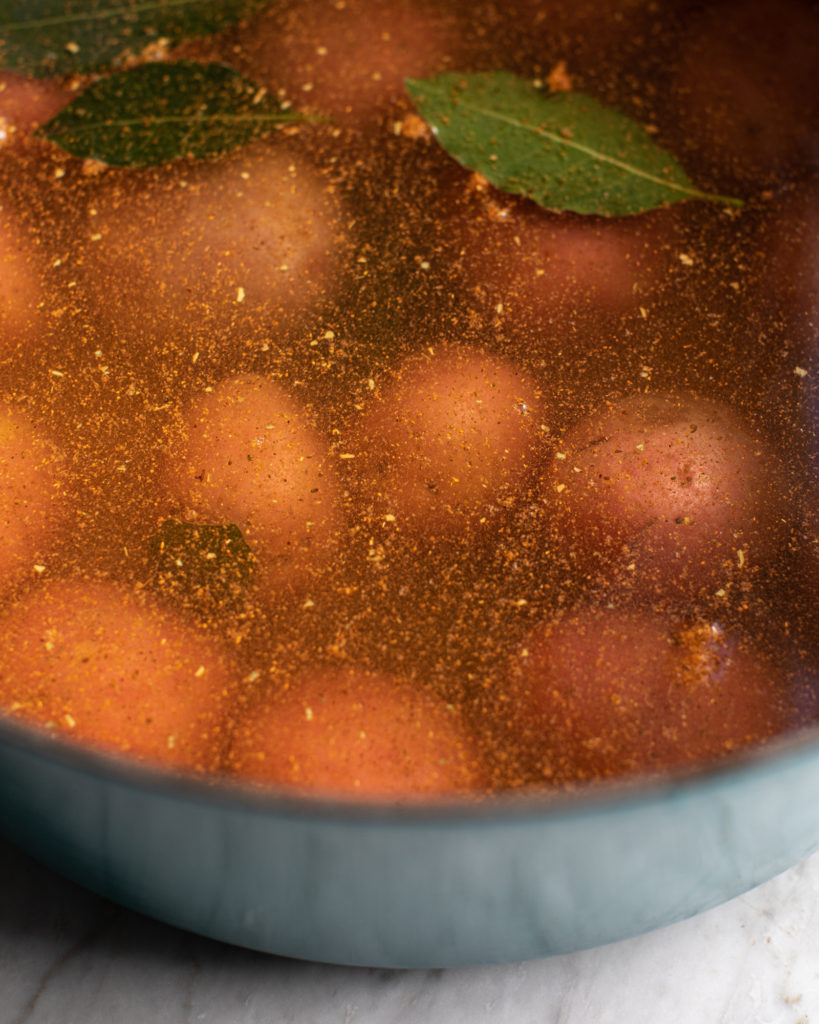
<point x="327" y="466"/>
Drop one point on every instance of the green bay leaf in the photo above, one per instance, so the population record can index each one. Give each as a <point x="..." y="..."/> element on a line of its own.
<point x="62" y="37"/>
<point x="564" y="150"/>
<point x="206" y="565"/>
<point x="155" y="113"/>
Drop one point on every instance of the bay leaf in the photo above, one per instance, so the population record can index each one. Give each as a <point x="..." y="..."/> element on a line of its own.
<point x="204" y="565"/>
<point x="157" y="112"/>
<point x="564" y="150"/>
<point x="62" y="37"/>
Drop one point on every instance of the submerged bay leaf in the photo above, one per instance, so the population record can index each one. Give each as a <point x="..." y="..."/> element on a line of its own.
<point x="564" y="150"/>
<point x="62" y="37"/>
<point x="158" y="112"/>
<point x="205" y="565"/>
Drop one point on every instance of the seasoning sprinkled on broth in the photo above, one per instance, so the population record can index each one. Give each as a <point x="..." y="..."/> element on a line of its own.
<point x="21" y="285"/>
<point x="455" y="435"/>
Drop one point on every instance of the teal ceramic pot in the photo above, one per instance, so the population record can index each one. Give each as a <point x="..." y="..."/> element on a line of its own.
<point x="409" y="887"/>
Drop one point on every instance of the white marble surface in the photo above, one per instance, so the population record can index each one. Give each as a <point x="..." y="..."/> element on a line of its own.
<point x="68" y="957"/>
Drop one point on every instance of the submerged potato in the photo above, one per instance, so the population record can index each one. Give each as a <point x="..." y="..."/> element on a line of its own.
<point x="449" y="438"/>
<point x="349" y="59"/>
<point x="730" y="695"/>
<point x="606" y="693"/>
<point x="245" y="453"/>
<point x="26" y="103"/>
<point x="790" y="258"/>
<point x="585" y="695"/>
<point x="537" y="265"/>
<point x="679" y="485"/>
<point x="249" y="236"/>
<point x="95" y="662"/>
<point x="31" y="495"/>
<point x="357" y="734"/>
<point x="745" y="97"/>
<point x="588" y="30"/>
<point x="21" y="290"/>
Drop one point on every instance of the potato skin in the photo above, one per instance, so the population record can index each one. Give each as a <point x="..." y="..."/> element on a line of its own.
<point x="254" y="235"/>
<point x="678" y="485"/>
<point x="26" y="103"/>
<point x="32" y="499"/>
<point x="450" y="437"/>
<point x="356" y="734"/>
<point x="606" y="693"/>
<point x="349" y="60"/>
<point x="539" y="267"/>
<point x="744" y="96"/>
<point x="245" y="453"/>
<point x="97" y="664"/>
<point x="789" y="257"/>
<point x="21" y="288"/>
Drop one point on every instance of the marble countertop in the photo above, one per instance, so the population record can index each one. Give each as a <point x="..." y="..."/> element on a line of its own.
<point x="69" y="957"/>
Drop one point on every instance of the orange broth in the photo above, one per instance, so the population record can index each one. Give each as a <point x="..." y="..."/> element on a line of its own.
<point x="328" y="466"/>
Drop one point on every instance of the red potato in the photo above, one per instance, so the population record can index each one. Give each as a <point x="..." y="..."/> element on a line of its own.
<point x="790" y="262"/>
<point x="254" y="235"/>
<point x="26" y="103"/>
<point x="804" y="584"/>
<point x="99" y="664"/>
<point x="608" y="693"/>
<point x="730" y="695"/>
<point x="246" y="454"/>
<point x="786" y="263"/>
<point x="584" y="26"/>
<point x="585" y="695"/>
<point x="680" y="486"/>
<point x="31" y="496"/>
<point x="358" y="734"/>
<point x="349" y="60"/>
<point x="745" y="101"/>
<point x="449" y="438"/>
<point x="536" y="265"/>
<point x="21" y="290"/>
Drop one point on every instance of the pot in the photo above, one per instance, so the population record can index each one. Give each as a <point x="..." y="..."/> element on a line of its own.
<point x="511" y="876"/>
<point x="390" y="886"/>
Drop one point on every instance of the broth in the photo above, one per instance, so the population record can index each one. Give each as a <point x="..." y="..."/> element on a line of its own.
<point x="329" y="466"/>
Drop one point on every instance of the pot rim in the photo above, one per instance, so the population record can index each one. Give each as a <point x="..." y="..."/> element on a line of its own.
<point x="601" y="796"/>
